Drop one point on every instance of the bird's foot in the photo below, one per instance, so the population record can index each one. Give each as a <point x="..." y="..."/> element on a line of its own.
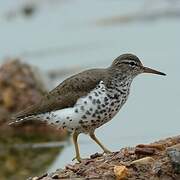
<point x="106" y="151"/>
<point x="78" y="158"/>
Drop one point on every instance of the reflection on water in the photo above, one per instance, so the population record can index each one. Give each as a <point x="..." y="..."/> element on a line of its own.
<point x="24" y="154"/>
<point x="20" y="164"/>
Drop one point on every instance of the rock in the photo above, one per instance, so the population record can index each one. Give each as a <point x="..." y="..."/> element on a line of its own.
<point x="149" y="149"/>
<point x="46" y="178"/>
<point x="72" y="168"/>
<point x="19" y="86"/>
<point x="174" y="155"/>
<point x="143" y="161"/>
<point x="55" y="176"/>
<point x="35" y="178"/>
<point x="93" y="156"/>
<point x="120" y="172"/>
<point x="159" y="147"/>
<point x="157" y="169"/>
<point x="144" y="151"/>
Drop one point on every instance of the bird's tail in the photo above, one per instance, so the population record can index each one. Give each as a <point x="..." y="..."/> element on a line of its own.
<point x="23" y="115"/>
<point x="15" y="120"/>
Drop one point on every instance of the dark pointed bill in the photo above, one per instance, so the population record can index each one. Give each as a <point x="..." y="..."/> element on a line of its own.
<point x="149" y="70"/>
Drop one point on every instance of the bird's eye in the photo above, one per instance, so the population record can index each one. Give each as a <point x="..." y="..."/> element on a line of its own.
<point x="132" y="63"/>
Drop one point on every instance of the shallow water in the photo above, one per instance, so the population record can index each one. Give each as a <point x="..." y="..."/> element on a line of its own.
<point x="69" y="34"/>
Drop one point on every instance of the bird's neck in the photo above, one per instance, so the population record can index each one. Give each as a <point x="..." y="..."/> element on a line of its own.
<point x="120" y="80"/>
<point x="119" y="87"/>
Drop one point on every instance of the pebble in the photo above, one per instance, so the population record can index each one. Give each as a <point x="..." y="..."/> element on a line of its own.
<point x="174" y="155"/>
<point x="35" y="178"/>
<point x="157" y="169"/>
<point x="159" y="147"/>
<point x="93" y="156"/>
<point x="143" y="161"/>
<point x="144" y="151"/>
<point x="120" y="172"/>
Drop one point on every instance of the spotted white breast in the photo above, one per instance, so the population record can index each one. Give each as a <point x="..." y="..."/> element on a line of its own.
<point x="89" y="112"/>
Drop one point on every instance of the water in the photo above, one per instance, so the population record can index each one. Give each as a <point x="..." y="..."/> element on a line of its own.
<point x="69" y="34"/>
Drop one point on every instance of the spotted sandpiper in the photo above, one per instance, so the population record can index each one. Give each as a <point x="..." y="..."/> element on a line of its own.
<point x="89" y="99"/>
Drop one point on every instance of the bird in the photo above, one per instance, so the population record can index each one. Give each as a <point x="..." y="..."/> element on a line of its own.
<point x="87" y="100"/>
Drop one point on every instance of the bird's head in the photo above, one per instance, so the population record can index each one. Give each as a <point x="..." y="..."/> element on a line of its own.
<point x="130" y="65"/>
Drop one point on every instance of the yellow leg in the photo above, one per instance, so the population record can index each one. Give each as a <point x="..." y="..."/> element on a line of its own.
<point x="75" y="137"/>
<point x="92" y="135"/>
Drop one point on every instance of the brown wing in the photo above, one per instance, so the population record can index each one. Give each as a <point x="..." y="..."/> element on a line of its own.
<point x="66" y="94"/>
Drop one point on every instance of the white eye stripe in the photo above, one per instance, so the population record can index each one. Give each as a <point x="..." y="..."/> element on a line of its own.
<point x="132" y="63"/>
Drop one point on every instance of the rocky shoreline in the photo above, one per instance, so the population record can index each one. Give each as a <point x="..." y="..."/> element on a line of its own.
<point x="157" y="161"/>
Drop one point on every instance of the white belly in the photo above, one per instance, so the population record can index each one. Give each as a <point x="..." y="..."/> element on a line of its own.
<point x="89" y="113"/>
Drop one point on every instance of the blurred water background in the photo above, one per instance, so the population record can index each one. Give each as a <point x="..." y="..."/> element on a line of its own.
<point x="76" y="34"/>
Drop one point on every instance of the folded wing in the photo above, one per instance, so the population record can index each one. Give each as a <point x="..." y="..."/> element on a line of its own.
<point x="66" y="94"/>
